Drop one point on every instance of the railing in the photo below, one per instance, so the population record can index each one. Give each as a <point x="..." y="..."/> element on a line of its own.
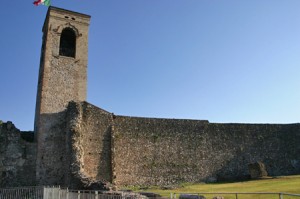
<point x="235" y="195"/>
<point x="59" y="193"/>
<point x="22" y="193"/>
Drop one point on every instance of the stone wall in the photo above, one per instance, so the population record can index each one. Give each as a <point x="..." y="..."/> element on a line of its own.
<point x="161" y="151"/>
<point x="237" y="145"/>
<point x="89" y="132"/>
<point x="97" y="146"/>
<point x="149" y="151"/>
<point x="17" y="157"/>
<point x="52" y="157"/>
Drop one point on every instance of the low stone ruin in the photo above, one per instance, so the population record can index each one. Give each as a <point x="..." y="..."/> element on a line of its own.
<point x="257" y="170"/>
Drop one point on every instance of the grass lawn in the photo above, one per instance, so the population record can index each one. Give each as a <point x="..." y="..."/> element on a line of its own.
<point x="284" y="184"/>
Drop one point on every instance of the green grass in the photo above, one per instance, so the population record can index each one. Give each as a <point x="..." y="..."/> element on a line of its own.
<point x="285" y="184"/>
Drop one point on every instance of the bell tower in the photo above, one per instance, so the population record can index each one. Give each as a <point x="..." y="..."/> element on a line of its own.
<point x="62" y="78"/>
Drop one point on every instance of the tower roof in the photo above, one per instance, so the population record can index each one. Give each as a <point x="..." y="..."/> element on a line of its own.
<point x="67" y="11"/>
<point x="60" y="11"/>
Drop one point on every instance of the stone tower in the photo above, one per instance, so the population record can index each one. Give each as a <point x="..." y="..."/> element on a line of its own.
<point x="62" y="78"/>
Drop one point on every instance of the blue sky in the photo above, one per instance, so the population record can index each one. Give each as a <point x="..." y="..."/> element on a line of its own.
<point x="223" y="61"/>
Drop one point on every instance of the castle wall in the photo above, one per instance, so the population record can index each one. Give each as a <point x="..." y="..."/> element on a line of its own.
<point x="52" y="156"/>
<point x="98" y="146"/>
<point x="151" y="151"/>
<point x="102" y="147"/>
<point x="276" y="145"/>
<point x="17" y="157"/>
<point x="89" y="132"/>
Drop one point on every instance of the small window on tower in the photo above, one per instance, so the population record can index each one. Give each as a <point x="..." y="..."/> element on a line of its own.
<point x="67" y="44"/>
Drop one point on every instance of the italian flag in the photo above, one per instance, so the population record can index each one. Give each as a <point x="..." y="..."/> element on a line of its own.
<point x="43" y="2"/>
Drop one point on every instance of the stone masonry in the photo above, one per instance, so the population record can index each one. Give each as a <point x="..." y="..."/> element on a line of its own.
<point x="61" y="79"/>
<point x="17" y="157"/>
<point x="151" y="151"/>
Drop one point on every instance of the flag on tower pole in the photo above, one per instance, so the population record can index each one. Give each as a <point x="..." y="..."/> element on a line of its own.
<point x="43" y="2"/>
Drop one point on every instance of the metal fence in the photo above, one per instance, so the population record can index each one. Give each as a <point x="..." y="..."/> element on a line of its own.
<point x="60" y="193"/>
<point x="22" y="193"/>
<point x="235" y="195"/>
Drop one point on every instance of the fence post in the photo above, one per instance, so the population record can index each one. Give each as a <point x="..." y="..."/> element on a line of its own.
<point x="78" y="195"/>
<point x="280" y="196"/>
<point x="45" y="193"/>
<point x="236" y="195"/>
<point x="96" y="194"/>
<point x="59" y="192"/>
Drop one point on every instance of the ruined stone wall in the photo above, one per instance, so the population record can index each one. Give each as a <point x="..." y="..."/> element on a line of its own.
<point x="165" y="151"/>
<point x="17" y="157"/>
<point x="237" y="145"/>
<point x="149" y="151"/>
<point x="89" y="132"/>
